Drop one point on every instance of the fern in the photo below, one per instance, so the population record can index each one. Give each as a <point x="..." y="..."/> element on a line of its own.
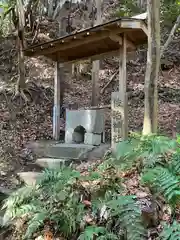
<point x="175" y="164"/>
<point x="128" y="213"/>
<point x="14" y="202"/>
<point x="148" y="149"/>
<point x="165" y="182"/>
<point x="170" y="232"/>
<point x="34" y="224"/>
<point x="99" y="232"/>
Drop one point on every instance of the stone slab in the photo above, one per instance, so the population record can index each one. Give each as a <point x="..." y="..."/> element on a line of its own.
<point x="92" y="139"/>
<point x="51" y="162"/>
<point x="29" y="178"/>
<point x="67" y="151"/>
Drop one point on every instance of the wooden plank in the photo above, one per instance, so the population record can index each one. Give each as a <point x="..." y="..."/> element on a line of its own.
<point x="118" y="39"/>
<point x="61" y="46"/>
<point x="124" y="63"/>
<point x="95" y="107"/>
<point x="131" y="24"/>
<point x="56" y="108"/>
<point x="92" y="58"/>
<point x="124" y="89"/>
<point x="144" y="28"/>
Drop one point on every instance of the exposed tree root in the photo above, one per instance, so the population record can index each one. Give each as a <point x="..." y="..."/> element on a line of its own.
<point x="26" y="93"/>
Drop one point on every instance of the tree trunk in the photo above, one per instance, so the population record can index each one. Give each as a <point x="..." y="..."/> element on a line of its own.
<point x="152" y="69"/>
<point x="50" y="9"/>
<point x="20" y="44"/>
<point x="21" y="84"/>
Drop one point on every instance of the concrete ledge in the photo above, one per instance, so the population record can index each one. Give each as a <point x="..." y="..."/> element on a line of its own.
<point x="51" y="162"/>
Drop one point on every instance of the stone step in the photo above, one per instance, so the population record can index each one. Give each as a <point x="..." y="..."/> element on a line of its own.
<point x="29" y="178"/>
<point x="61" y="150"/>
<point x="52" y="162"/>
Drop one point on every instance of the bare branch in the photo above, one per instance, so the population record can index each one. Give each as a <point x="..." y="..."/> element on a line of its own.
<point x="170" y="38"/>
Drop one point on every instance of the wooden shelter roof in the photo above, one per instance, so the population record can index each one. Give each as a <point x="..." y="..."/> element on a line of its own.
<point x="93" y="42"/>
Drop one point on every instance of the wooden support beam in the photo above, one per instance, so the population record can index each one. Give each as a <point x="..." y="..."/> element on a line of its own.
<point x="95" y="83"/>
<point x="63" y="45"/>
<point x="144" y="28"/>
<point x="96" y="64"/>
<point x="123" y="70"/>
<point x="118" y="39"/>
<point x="56" y="108"/>
<point x="123" y="87"/>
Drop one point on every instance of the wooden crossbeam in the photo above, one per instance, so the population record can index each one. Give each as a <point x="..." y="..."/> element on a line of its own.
<point x="118" y="39"/>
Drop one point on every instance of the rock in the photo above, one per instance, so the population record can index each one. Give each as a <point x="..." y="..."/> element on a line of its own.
<point x="29" y="177"/>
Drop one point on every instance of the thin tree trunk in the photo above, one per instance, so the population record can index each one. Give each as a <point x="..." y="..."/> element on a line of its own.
<point x="152" y="69"/>
<point x="50" y="9"/>
<point x="20" y="43"/>
<point x="21" y="84"/>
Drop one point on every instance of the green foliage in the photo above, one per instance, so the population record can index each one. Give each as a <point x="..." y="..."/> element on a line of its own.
<point x="164" y="182"/>
<point x="170" y="232"/>
<point x="170" y="10"/>
<point x="58" y="196"/>
<point x="53" y="198"/>
<point x="127" y="211"/>
<point x="174" y="166"/>
<point x="143" y="150"/>
<point x="127" y="9"/>
<point x="99" y="232"/>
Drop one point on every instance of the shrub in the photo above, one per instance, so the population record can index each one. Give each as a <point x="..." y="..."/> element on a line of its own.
<point x="60" y="197"/>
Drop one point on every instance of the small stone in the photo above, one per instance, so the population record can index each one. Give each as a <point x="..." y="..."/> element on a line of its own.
<point x="92" y="139"/>
<point x="141" y="194"/>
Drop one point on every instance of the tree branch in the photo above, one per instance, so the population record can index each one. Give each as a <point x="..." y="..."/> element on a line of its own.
<point x="170" y="38"/>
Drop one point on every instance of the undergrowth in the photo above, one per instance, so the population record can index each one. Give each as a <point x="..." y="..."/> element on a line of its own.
<point x="96" y="205"/>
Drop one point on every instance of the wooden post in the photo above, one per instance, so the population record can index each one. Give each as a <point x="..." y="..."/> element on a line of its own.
<point x="119" y="102"/>
<point x="123" y="87"/>
<point x="56" y="108"/>
<point x="95" y="83"/>
<point x="96" y="64"/>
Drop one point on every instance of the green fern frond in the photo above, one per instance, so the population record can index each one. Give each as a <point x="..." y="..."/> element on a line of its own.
<point x="65" y="175"/>
<point x="91" y="232"/>
<point x="165" y="182"/>
<point x="129" y="215"/>
<point x="170" y="232"/>
<point x="35" y="223"/>
<point x="148" y="149"/>
<point x="108" y="236"/>
<point x="27" y="209"/>
<point x="18" y="198"/>
<point x="175" y="164"/>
